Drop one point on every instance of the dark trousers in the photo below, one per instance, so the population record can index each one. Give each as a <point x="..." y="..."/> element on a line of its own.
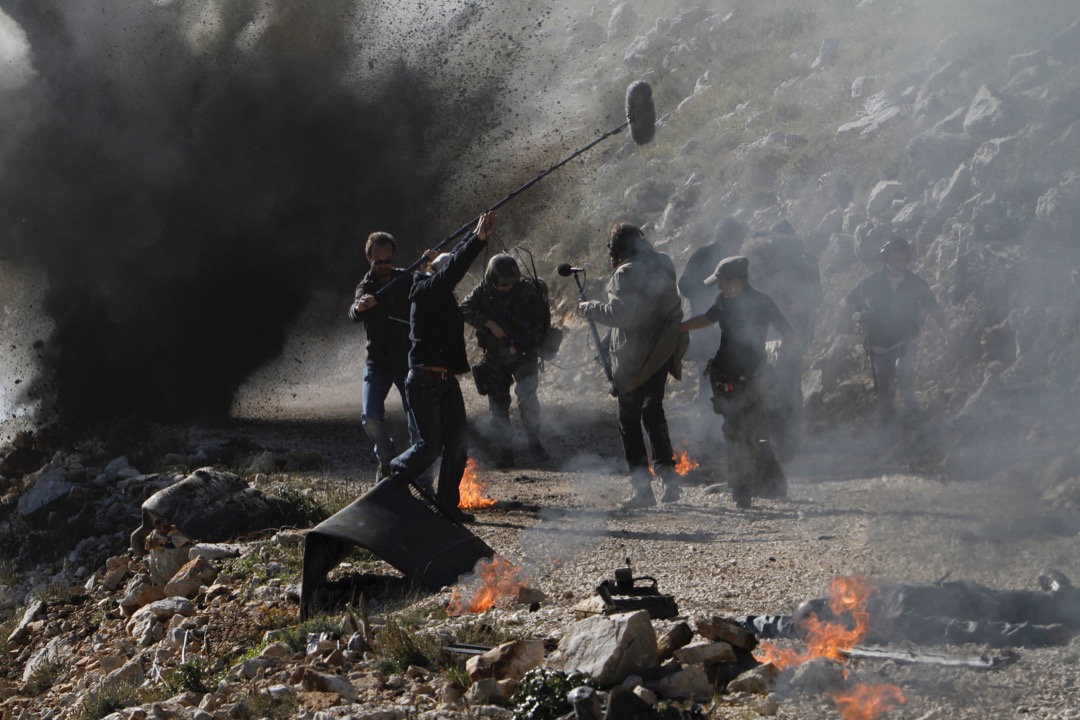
<point x="439" y="410"/>
<point x="745" y="426"/>
<point x="895" y="371"/>
<point x="644" y="406"/>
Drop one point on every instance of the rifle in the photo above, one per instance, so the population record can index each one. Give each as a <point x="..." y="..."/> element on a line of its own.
<point x="602" y="355"/>
<point x="517" y="331"/>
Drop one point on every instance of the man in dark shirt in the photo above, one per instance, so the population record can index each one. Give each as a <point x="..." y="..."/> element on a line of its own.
<point x="744" y="315"/>
<point x="889" y="305"/>
<point x="701" y="264"/>
<point x="436" y="358"/>
<point x="386" y="324"/>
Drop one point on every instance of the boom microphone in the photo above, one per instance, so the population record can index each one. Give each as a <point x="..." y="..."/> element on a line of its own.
<point x="640" y="112"/>
<point x="565" y="270"/>
<point x="640" y="117"/>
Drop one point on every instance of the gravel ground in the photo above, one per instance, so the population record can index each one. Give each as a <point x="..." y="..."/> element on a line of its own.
<point x="847" y="514"/>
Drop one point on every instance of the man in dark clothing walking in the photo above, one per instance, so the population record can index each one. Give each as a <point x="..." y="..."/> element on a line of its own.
<point x="386" y="324"/>
<point x="744" y="315"/>
<point x="643" y="310"/>
<point x="890" y="305"/>
<point x="436" y="358"/>
<point x="512" y="318"/>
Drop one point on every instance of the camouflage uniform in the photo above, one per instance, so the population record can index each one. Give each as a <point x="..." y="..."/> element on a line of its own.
<point x="524" y="316"/>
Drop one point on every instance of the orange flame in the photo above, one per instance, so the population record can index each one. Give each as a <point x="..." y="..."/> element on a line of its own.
<point x="685" y="464"/>
<point x="471" y="488"/>
<point x="848" y="597"/>
<point x="498" y="577"/>
<point x="866" y="702"/>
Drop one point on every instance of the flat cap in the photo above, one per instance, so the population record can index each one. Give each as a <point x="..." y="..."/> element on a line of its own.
<point x="735" y="266"/>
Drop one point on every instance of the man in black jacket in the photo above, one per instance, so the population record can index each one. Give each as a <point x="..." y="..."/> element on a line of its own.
<point x="386" y="323"/>
<point x="436" y="358"/>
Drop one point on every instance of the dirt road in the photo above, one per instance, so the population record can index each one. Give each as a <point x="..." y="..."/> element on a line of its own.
<point x="847" y="514"/>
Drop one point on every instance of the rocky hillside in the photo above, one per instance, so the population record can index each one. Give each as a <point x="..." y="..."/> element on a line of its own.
<point x="950" y="124"/>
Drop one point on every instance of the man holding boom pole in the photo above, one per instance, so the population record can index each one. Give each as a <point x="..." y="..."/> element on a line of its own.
<point x="644" y="310"/>
<point x="437" y="357"/>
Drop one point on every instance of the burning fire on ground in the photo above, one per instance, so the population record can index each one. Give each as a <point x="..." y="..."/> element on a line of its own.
<point x="471" y="488"/>
<point x="847" y="600"/>
<point x="684" y="464"/>
<point x="866" y="702"/>
<point x="494" y="578"/>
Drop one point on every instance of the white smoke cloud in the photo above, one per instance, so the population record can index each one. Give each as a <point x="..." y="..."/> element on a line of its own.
<point x="16" y="68"/>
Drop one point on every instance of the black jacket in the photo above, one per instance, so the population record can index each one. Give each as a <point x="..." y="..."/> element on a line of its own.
<point x="386" y="324"/>
<point x="895" y="316"/>
<point x="437" y="327"/>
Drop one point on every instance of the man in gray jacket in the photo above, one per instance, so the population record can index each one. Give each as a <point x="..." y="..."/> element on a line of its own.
<point x="644" y="310"/>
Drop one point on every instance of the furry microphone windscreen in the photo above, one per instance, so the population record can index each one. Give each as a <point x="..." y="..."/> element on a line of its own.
<point x="640" y="112"/>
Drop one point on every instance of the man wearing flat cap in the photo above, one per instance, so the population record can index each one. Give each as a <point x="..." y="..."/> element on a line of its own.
<point x="744" y="315"/>
<point x="729" y="237"/>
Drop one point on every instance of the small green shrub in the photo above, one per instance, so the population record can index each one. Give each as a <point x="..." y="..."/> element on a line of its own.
<point x="398" y="646"/>
<point x="542" y="694"/>
<point x="311" y="508"/>
<point x="105" y="701"/>
<point x="264" y="705"/>
<point x="46" y="676"/>
<point x="189" y="676"/>
<point x="296" y="638"/>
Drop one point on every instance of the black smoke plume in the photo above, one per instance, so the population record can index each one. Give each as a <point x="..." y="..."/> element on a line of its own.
<point x="195" y="171"/>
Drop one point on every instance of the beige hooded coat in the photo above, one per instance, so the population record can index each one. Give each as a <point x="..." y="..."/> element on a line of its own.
<point x="644" y="310"/>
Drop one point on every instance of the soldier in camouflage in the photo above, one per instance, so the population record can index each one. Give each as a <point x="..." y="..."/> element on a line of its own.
<point x="512" y="318"/>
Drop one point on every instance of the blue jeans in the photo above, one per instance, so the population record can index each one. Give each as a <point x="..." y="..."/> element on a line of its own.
<point x="377" y="384"/>
<point x="439" y="412"/>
